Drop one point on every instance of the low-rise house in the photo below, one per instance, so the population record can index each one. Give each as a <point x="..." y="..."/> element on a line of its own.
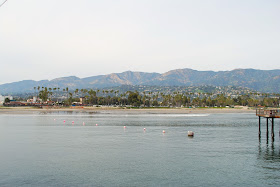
<point x="2" y="99"/>
<point x="34" y="100"/>
<point x="82" y="100"/>
<point x="15" y="103"/>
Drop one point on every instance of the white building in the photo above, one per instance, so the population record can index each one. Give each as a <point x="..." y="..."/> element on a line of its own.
<point x="2" y="99"/>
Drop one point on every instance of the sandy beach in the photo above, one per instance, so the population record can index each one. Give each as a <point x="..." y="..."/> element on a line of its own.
<point x="28" y="110"/>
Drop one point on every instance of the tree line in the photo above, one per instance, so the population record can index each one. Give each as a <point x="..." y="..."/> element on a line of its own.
<point x="155" y="99"/>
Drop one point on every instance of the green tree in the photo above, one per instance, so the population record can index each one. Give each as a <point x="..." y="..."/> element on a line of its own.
<point x="134" y="99"/>
<point x="35" y="88"/>
<point x="155" y="103"/>
<point x="44" y="94"/>
<point x="67" y="90"/>
<point x="7" y="100"/>
<point x="70" y="99"/>
<point x="76" y="91"/>
<point x="92" y="96"/>
<point x="209" y="101"/>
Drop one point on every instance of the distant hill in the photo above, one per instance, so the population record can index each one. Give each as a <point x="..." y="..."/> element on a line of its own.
<point x="260" y="80"/>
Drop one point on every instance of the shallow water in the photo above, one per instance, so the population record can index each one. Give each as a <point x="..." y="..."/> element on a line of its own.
<point x="39" y="149"/>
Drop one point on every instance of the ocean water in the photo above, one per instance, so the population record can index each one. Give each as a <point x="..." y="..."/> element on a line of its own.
<point x="39" y="149"/>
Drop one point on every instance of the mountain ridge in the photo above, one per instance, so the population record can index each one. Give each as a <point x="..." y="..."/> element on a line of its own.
<point x="259" y="80"/>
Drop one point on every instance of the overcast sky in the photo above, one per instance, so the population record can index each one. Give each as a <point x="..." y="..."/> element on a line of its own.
<point x="46" y="39"/>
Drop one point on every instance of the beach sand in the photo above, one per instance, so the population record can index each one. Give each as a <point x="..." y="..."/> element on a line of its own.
<point x="116" y="110"/>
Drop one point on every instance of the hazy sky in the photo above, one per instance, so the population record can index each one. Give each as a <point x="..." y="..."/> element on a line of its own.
<point x="46" y="39"/>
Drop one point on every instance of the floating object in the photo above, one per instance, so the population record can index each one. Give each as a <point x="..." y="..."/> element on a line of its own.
<point x="96" y="124"/>
<point x="84" y="123"/>
<point x="54" y="119"/>
<point x="190" y="133"/>
<point x="72" y="122"/>
<point x="144" y="129"/>
<point x="64" y="121"/>
<point x="124" y="127"/>
<point x="163" y="131"/>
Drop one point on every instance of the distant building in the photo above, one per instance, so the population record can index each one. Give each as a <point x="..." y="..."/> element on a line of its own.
<point x="82" y="100"/>
<point x="2" y="99"/>
<point x="34" y="100"/>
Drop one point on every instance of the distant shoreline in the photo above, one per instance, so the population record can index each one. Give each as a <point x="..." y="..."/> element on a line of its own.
<point x="27" y="110"/>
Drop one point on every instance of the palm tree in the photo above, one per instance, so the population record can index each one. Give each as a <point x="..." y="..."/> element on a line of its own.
<point x="84" y="92"/>
<point x="49" y="92"/>
<point x="67" y="90"/>
<point x="35" y="90"/>
<point x="144" y="98"/>
<point x="76" y="91"/>
<point x="70" y="99"/>
<point x="63" y="91"/>
<point x="121" y="99"/>
<point x="54" y="89"/>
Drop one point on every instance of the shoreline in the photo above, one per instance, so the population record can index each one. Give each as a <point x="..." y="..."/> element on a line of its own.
<point x="108" y="110"/>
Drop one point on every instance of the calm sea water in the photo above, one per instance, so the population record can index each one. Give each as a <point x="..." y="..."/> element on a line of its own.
<point x="39" y="149"/>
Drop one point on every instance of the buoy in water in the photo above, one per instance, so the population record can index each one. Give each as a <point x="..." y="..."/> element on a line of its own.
<point x="83" y="123"/>
<point x="163" y="131"/>
<point x="96" y="124"/>
<point x="72" y="122"/>
<point x="124" y="127"/>
<point x="144" y="129"/>
<point x="190" y="133"/>
<point x="64" y="121"/>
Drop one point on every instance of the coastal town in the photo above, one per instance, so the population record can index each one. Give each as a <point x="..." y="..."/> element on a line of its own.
<point x="144" y="96"/>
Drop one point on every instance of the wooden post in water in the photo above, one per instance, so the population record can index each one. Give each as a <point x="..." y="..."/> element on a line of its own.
<point x="267" y="127"/>
<point x="260" y="126"/>
<point x="272" y="127"/>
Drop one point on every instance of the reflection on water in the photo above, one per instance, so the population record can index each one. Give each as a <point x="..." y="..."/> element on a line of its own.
<point x="268" y="159"/>
<point x="269" y="152"/>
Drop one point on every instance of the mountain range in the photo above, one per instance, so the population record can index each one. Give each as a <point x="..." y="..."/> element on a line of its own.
<point x="259" y="80"/>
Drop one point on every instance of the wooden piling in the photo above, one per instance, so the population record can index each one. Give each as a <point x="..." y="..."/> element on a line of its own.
<point x="272" y="127"/>
<point x="266" y="126"/>
<point x="260" y="126"/>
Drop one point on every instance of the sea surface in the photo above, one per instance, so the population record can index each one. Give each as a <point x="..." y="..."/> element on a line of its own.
<point x="95" y="149"/>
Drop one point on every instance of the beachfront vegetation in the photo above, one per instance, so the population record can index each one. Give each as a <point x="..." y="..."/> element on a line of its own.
<point x="7" y="100"/>
<point x="204" y="96"/>
<point x="157" y="99"/>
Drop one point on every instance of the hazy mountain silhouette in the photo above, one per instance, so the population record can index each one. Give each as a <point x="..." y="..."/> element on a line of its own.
<point x="260" y="80"/>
